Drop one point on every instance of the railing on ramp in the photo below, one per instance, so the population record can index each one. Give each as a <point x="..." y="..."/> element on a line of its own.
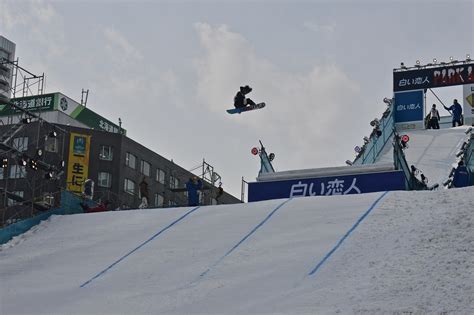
<point x="399" y="159"/>
<point x="376" y="142"/>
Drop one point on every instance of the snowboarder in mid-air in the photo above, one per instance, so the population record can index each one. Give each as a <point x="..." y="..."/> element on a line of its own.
<point x="242" y="103"/>
<point x="240" y="100"/>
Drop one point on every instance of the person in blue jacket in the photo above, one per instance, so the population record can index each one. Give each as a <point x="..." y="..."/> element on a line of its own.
<point x="192" y="186"/>
<point x="461" y="176"/>
<point x="456" y="110"/>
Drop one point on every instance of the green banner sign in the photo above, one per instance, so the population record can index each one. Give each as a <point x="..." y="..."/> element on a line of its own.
<point x="91" y="119"/>
<point x="38" y="103"/>
<point x="62" y="103"/>
<point x="84" y="115"/>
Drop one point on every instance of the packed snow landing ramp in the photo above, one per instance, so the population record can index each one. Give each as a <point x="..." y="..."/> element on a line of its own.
<point x="406" y="252"/>
<point x="223" y="257"/>
<point x="432" y="151"/>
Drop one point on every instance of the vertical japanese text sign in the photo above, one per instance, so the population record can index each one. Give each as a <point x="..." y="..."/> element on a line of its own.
<point x="78" y="162"/>
<point x="409" y="106"/>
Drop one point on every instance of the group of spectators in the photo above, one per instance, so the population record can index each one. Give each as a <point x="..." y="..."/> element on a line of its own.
<point x="461" y="174"/>
<point x="193" y="188"/>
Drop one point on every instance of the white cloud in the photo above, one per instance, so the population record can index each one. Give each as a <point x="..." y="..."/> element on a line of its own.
<point x="119" y="48"/>
<point x="39" y="20"/>
<point x="302" y="108"/>
<point x="327" y="28"/>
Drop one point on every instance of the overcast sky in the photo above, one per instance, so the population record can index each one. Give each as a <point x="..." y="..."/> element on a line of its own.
<point x="170" y="69"/>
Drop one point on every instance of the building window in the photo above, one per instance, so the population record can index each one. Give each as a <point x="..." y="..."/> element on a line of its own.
<point x="174" y="182"/>
<point x="106" y="153"/>
<point x="2" y="171"/>
<point x="160" y="176"/>
<point x="159" y="200"/>
<point x="51" y="145"/>
<point x="12" y="202"/>
<point x="130" y="160"/>
<point x="145" y="168"/>
<point x="21" y="143"/>
<point x="17" y="171"/>
<point x="104" y="180"/>
<point x="172" y="203"/>
<point x="129" y="186"/>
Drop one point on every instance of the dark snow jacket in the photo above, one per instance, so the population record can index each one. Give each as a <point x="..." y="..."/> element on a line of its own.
<point x="456" y="109"/>
<point x="239" y="100"/>
<point x="461" y="177"/>
<point x="192" y="188"/>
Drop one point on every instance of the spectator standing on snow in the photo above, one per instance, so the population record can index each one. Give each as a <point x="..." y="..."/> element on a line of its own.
<point x="456" y="112"/>
<point x="434" y="118"/>
<point x="192" y="186"/>
<point x="144" y="194"/>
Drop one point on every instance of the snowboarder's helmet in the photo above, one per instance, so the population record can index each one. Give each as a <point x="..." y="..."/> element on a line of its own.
<point x="245" y="89"/>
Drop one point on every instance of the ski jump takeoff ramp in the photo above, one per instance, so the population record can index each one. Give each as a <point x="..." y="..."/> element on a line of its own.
<point x="432" y="151"/>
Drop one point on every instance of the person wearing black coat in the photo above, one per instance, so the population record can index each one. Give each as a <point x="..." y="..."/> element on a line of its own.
<point x="240" y="100"/>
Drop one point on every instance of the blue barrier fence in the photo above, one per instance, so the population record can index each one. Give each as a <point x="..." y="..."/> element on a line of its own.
<point x="469" y="159"/>
<point x="69" y="205"/>
<point x="371" y="150"/>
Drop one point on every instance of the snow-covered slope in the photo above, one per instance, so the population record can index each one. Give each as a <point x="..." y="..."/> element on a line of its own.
<point x="412" y="252"/>
<point x="432" y="151"/>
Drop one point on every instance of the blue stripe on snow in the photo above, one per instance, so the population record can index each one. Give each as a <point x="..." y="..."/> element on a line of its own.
<point x="245" y="237"/>
<point x="347" y="234"/>
<point x="138" y="247"/>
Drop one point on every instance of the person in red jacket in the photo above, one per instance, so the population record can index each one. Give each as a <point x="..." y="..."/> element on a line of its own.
<point x="101" y="207"/>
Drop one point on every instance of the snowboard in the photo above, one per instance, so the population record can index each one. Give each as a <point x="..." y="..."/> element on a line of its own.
<point x="246" y="108"/>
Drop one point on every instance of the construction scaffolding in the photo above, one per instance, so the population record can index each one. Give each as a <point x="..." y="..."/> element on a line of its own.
<point x="29" y="175"/>
<point x="207" y="173"/>
<point x="24" y="82"/>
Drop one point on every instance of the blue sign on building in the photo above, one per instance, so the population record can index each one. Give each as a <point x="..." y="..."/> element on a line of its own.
<point x="325" y="186"/>
<point x="409" y="106"/>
